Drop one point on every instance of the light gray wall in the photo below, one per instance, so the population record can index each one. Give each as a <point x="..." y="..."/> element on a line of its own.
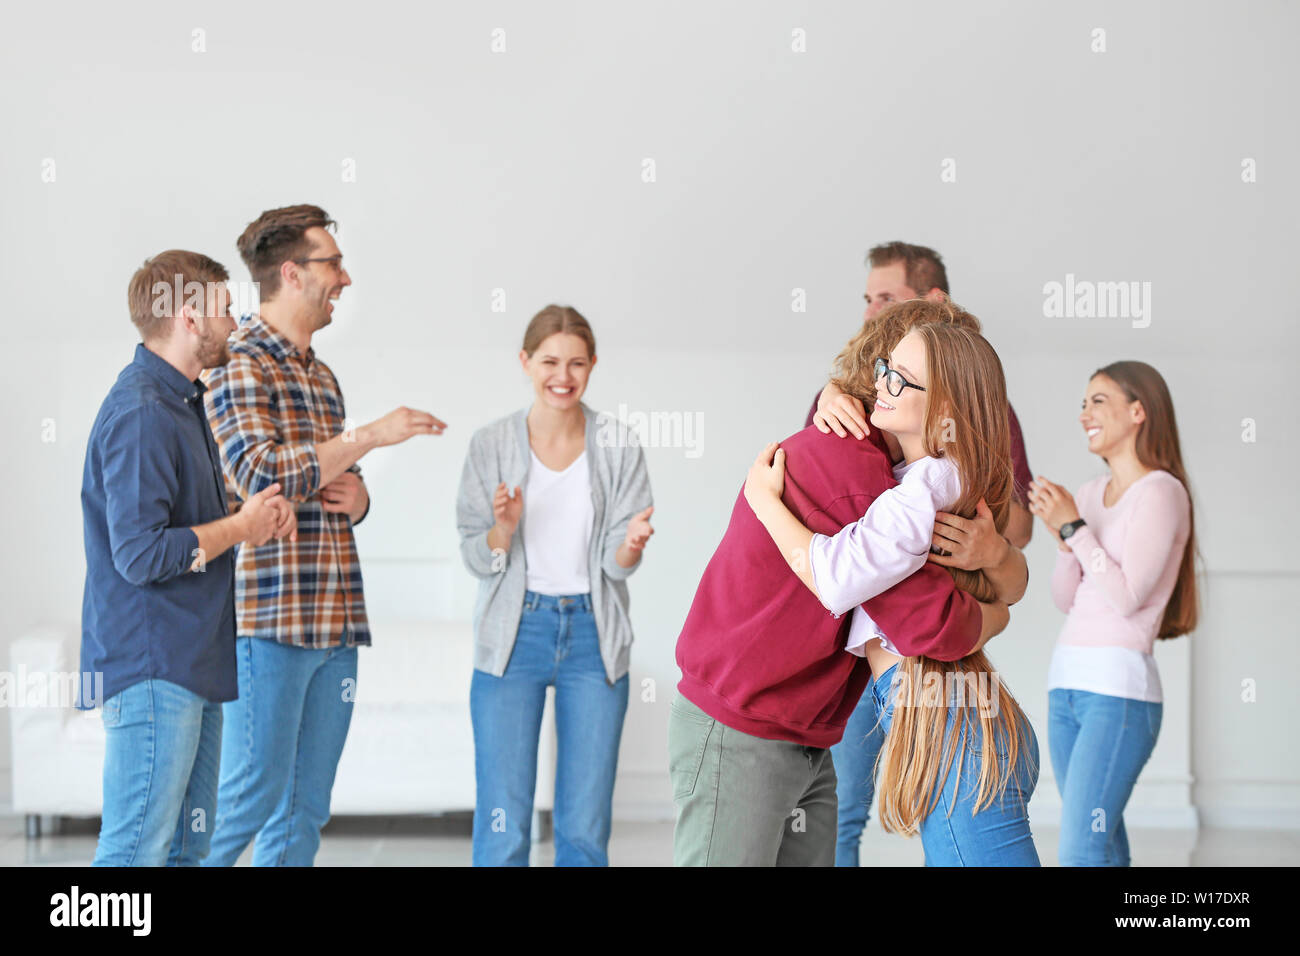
<point x="775" y="170"/>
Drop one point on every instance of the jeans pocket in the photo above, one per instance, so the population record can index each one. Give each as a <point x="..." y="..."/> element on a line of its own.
<point x="129" y="707"/>
<point x="113" y="710"/>
<point x="883" y="700"/>
<point x="688" y="735"/>
<point x="1027" y="757"/>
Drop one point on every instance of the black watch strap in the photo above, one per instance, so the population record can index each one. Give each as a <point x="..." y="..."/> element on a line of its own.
<point x="1070" y="527"/>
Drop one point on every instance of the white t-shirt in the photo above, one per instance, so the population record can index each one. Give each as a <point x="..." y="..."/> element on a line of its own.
<point x="883" y="547"/>
<point x="558" y="517"/>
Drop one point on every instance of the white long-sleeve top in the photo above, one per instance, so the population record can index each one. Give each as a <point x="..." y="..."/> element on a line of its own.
<point x="884" y="546"/>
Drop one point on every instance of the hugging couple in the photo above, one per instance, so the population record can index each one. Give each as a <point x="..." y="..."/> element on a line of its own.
<point x="829" y="526"/>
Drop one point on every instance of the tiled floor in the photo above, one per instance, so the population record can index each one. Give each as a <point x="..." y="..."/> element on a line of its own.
<point x="428" y="841"/>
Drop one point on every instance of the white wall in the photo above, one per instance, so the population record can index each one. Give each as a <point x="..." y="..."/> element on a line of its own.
<point x="775" y="170"/>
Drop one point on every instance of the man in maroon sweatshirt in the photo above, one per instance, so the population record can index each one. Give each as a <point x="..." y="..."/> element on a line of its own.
<point x="767" y="685"/>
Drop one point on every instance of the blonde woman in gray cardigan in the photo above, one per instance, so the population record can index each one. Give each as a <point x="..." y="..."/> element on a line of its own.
<point x="553" y="512"/>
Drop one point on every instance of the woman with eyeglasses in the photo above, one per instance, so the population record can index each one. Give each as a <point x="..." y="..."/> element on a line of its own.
<point x="1125" y="578"/>
<point x="970" y="544"/>
<point x="960" y="758"/>
<point x="767" y="687"/>
<point x="554" y="514"/>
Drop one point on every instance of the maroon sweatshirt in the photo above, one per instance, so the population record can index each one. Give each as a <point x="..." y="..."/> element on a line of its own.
<point x="759" y="653"/>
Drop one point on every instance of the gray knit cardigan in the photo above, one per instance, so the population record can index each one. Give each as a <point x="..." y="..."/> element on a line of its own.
<point x="620" y="488"/>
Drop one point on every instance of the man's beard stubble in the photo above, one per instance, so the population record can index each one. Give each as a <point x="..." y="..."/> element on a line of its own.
<point x="213" y="352"/>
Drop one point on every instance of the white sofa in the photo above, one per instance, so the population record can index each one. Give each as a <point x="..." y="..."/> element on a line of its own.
<point x="410" y="749"/>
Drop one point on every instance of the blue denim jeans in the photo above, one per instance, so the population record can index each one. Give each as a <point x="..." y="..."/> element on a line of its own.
<point x="162" y="748"/>
<point x="557" y="645"/>
<point x="855" y="770"/>
<point x="999" y="834"/>
<point x="283" y="739"/>
<point x="1099" y="745"/>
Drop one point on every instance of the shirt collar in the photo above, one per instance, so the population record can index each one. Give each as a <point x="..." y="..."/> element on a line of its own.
<point x="168" y="375"/>
<point x="275" y="343"/>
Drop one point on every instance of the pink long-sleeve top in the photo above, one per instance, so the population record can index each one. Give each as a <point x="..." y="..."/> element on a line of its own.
<point x="1113" y="585"/>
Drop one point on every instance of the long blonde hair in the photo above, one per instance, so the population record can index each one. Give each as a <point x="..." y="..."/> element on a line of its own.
<point x="966" y="422"/>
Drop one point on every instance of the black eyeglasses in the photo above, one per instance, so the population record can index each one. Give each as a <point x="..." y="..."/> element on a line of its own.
<point x="894" y="380"/>
<point x="336" y="260"/>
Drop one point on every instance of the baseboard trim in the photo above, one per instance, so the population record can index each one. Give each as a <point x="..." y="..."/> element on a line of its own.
<point x="1249" y="804"/>
<point x="1254" y="818"/>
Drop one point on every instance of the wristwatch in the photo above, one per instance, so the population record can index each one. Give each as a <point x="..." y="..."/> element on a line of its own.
<point x="1070" y="527"/>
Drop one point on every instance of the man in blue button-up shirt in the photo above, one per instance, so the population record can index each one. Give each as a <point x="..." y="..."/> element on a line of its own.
<point x="158" y="624"/>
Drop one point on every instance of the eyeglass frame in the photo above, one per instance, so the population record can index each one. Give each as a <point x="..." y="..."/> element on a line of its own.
<point x="337" y="260"/>
<point x="882" y="370"/>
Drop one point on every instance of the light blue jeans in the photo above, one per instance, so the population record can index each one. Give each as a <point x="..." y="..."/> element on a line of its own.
<point x="283" y="739"/>
<point x="1099" y="745"/>
<point x="855" y="770"/>
<point x="557" y="645"/>
<point x="162" y="747"/>
<point x="999" y="834"/>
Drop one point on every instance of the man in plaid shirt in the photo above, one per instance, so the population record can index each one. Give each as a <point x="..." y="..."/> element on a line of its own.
<point x="277" y="413"/>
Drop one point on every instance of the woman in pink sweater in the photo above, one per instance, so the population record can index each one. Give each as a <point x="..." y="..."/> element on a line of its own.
<point x="1124" y="577"/>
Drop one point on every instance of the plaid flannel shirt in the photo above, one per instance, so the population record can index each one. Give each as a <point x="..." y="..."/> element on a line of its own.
<point x="269" y="406"/>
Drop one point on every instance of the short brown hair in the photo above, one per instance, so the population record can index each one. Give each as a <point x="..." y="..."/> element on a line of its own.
<point x="275" y="237"/>
<point x="922" y="266"/>
<point x="172" y="270"/>
<point x="558" y="318"/>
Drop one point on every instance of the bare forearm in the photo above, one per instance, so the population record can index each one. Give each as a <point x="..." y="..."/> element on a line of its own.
<point x="625" y="556"/>
<point x="338" y="455"/>
<point x="791" y="537"/>
<point x="1010" y="576"/>
<point x="218" y="537"/>
<point x="993" y="620"/>
<point x="1020" y="525"/>
<point x="498" y="538"/>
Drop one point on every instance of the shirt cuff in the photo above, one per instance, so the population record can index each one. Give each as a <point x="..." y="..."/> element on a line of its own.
<point x="1082" y="539"/>
<point x="311" y="470"/>
<point x="857" y="641"/>
<point x="817" y="559"/>
<point x="190" y="542"/>
<point x="862" y="631"/>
